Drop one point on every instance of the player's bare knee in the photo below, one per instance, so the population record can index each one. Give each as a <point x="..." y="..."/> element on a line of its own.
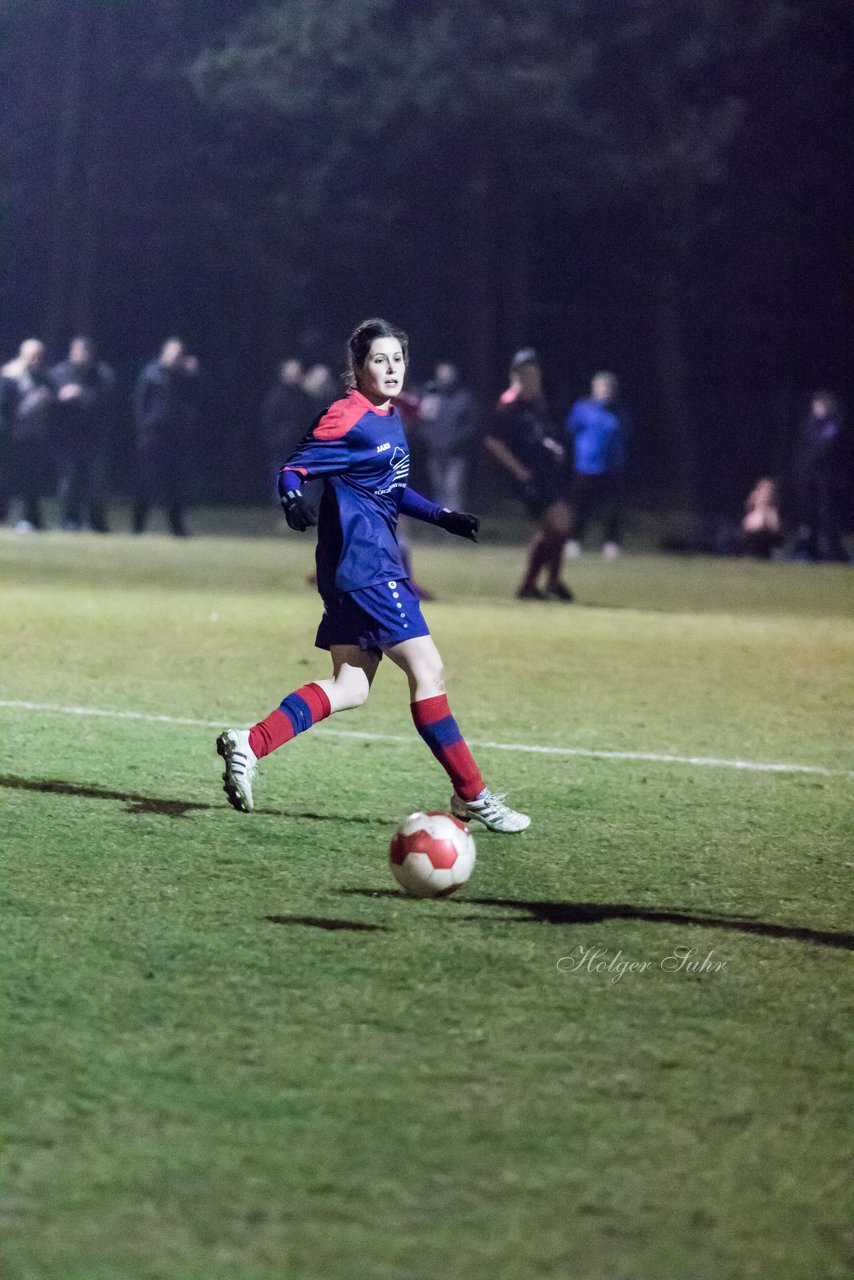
<point x="357" y="689"/>
<point x="432" y="677"/>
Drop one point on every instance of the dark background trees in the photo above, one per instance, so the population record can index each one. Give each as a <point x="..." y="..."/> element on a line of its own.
<point x="659" y="186"/>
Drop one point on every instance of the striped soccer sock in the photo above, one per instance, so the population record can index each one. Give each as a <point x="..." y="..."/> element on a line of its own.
<point x="296" y="713"/>
<point x="440" y="731"/>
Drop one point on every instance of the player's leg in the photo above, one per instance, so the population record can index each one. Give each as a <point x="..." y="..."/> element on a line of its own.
<point x="419" y="659"/>
<point x="353" y="670"/>
<point x="534" y="564"/>
<point x="144" y="480"/>
<point x="611" y="516"/>
<point x="556" y="524"/>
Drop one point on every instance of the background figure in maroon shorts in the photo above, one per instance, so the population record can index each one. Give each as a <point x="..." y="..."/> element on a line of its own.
<point x="522" y="441"/>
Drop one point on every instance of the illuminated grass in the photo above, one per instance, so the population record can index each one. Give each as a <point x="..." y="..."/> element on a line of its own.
<point x="231" y="1049"/>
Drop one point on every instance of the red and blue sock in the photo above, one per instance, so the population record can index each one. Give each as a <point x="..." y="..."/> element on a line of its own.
<point x="440" y="731"/>
<point x="296" y="713"/>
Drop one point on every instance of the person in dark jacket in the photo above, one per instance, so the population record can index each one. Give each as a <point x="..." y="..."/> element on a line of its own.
<point x="448" y="420"/>
<point x="166" y="411"/>
<point x="596" y="435"/>
<point x="286" y="410"/>
<point x="27" y="407"/>
<point x="84" y="399"/>
<point x="821" y="479"/>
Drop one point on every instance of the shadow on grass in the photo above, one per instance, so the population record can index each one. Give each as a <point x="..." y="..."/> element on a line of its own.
<point x="166" y="808"/>
<point x="582" y="913"/>
<point x="317" y="922"/>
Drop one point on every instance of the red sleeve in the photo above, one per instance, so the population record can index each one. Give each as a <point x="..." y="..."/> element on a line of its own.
<point x="338" y="419"/>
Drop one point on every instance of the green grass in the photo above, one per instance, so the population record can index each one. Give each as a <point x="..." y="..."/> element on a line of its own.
<point x="203" y="1079"/>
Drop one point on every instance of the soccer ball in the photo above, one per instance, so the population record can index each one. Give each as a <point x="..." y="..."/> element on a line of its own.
<point x="431" y="855"/>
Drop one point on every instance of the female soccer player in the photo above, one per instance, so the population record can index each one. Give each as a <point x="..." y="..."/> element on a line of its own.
<point x="359" y="450"/>
<point x="522" y="442"/>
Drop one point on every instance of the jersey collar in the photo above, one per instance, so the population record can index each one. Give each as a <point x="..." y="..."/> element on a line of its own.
<point x="358" y="398"/>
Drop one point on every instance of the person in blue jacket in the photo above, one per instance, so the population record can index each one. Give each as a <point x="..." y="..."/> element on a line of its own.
<point x="596" y="432"/>
<point x="370" y="609"/>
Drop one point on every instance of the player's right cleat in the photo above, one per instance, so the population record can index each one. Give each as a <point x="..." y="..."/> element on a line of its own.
<point x="491" y="811"/>
<point x="241" y="763"/>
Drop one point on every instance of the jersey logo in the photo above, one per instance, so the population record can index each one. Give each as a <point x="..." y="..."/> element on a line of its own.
<point x="398" y="472"/>
<point x="381" y="448"/>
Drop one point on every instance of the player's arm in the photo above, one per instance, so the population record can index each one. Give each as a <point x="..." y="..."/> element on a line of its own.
<point x="508" y="460"/>
<point x="461" y="523"/>
<point x="324" y="451"/>
<point x="299" y="515"/>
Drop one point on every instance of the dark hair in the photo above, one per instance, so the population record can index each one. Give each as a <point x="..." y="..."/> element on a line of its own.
<point x="360" y="340"/>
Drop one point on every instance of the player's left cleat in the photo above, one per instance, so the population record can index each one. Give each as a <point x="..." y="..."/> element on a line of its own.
<point x="241" y="764"/>
<point x="491" y="811"/>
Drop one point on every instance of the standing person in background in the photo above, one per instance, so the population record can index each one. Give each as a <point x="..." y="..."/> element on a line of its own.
<point x="448" y="416"/>
<point x="760" y="532"/>
<point x="286" y="409"/>
<point x="820" y="481"/>
<point x="522" y="441"/>
<point x="320" y="386"/>
<point x="28" y="408"/>
<point x="596" y="434"/>
<point x="166" y="412"/>
<point x="84" y="398"/>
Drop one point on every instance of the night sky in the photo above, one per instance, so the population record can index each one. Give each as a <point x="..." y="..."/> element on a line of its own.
<point x="152" y="182"/>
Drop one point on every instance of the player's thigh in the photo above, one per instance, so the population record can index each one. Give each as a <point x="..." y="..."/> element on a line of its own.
<point x="418" y="657"/>
<point x="352" y="664"/>
<point x="557" y="518"/>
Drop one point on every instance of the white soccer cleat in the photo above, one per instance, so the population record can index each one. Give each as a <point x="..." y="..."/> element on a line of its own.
<point x="491" y="811"/>
<point x="571" y="549"/>
<point x="611" y="550"/>
<point x="241" y="763"/>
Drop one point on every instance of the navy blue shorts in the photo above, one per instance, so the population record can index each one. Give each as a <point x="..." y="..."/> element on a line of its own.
<point x="374" y="618"/>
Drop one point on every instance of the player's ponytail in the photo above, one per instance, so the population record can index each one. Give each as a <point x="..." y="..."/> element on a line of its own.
<point x="359" y="345"/>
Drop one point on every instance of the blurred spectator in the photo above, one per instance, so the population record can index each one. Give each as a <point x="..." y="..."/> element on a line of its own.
<point x="84" y="400"/>
<point x="596" y="432"/>
<point x="522" y="441"/>
<point x="286" y="414"/>
<point x="761" y="530"/>
<point x="448" y="415"/>
<point x="28" y="403"/>
<point x="820" y="481"/>
<point x="319" y="384"/>
<point x="166" y="414"/>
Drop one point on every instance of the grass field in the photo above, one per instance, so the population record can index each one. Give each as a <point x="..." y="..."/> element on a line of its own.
<point x="232" y="1051"/>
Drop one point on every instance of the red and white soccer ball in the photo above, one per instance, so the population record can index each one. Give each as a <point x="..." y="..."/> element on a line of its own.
<point x="431" y="855"/>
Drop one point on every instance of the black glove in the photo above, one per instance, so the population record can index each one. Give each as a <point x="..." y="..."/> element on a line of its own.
<point x="298" y="513"/>
<point x="460" y="523"/>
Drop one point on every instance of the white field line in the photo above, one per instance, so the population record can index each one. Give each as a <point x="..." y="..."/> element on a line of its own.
<point x="712" y="762"/>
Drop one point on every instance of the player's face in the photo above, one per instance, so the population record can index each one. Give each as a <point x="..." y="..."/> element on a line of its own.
<point x="79" y="352"/>
<point x="381" y="376"/>
<point x="603" y="388"/>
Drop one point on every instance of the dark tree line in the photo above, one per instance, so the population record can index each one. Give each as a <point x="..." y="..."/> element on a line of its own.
<point x="657" y="184"/>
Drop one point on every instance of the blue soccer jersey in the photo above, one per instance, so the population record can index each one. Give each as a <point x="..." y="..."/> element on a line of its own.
<point x="361" y="454"/>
